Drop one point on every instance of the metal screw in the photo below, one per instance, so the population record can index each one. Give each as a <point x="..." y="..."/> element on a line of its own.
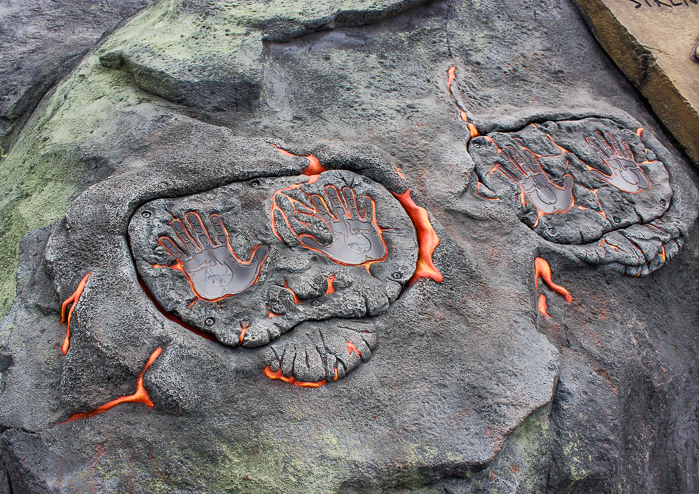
<point x="553" y="231"/>
<point x="145" y="214"/>
<point x="315" y="303"/>
<point x="397" y="275"/>
<point x="209" y="321"/>
<point x="477" y="144"/>
<point x="617" y="219"/>
<point x="255" y="183"/>
<point x="663" y="202"/>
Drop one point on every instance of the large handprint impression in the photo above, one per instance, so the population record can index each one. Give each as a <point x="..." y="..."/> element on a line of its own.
<point x="626" y="174"/>
<point x="525" y="170"/>
<point x="213" y="269"/>
<point x="356" y="238"/>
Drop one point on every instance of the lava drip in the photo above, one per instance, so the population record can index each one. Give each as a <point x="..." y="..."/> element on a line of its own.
<point x="73" y="299"/>
<point x="426" y="236"/>
<point x="543" y="270"/>
<point x="278" y="375"/>
<point x="314" y="167"/>
<point x="472" y="130"/>
<point x="140" y="396"/>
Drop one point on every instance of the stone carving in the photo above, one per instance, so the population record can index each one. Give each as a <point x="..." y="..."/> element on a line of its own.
<point x="627" y="175"/>
<point x="213" y="268"/>
<point x="315" y="254"/>
<point x="356" y="238"/>
<point x="525" y="170"/>
<point x="590" y="184"/>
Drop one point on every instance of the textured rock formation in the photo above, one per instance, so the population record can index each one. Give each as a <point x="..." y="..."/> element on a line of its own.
<point x="349" y="247"/>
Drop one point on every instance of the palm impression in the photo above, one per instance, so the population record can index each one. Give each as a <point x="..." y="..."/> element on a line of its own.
<point x="356" y="237"/>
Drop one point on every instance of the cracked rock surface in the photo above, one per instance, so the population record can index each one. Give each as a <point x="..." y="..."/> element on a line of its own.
<point x="286" y="263"/>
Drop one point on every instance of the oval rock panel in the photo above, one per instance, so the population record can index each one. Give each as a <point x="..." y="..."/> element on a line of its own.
<point x="574" y="181"/>
<point x="251" y="260"/>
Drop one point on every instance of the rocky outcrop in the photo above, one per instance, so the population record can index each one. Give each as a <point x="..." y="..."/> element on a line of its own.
<point x="359" y="247"/>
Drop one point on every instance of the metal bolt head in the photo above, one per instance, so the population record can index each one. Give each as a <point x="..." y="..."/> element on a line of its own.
<point x="209" y="321"/>
<point x="397" y="275"/>
<point x="146" y="214"/>
<point x="617" y="219"/>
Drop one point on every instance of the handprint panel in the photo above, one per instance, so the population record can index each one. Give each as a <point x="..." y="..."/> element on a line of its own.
<point x="573" y="181"/>
<point x="213" y="269"/>
<point x="356" y="237"/>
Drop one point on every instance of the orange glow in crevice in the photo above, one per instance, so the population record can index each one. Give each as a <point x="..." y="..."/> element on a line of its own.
<point x="169" y="316"/>
<point x="662" y="253"/>
<point x="296" y="298"/>
<point x="400" y="172"/>
<point x="472" y="130"/>
<point x="336" y="374"/>
<point x="542" y="306"/>
<point x="244" y="325"/>
<point x="271" y="314"/>
<point x="140" y="396"/>
<point x="543" y="270"/>
<point x="331" y="285"/>
<point x="426" y="237"/>
<point x="640" y="131"/>
<point x="73" y="299"/>
<point x="351" y="348"/>
<point x="314" y="167"/>
<point x="278" y="375"/>
<point x="604" y="243"/>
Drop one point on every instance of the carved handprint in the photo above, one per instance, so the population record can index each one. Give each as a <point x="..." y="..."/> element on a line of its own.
<point x="356" y="238"/>
<point x="214" y="270"/>
<point x="626" y="174"/>
<point x="526" y="171"/>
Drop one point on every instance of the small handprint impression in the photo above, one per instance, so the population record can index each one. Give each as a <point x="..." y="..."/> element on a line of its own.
<point x="356" y="237"/>
<point x="525" y="170"/>
<point x="213" y="269"/>
<point x="626" y="175"/>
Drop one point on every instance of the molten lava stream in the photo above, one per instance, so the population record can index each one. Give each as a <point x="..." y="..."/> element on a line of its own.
<point x="278" y="375"/>
<point x="73" y="299"/>
<point x="427" y="239"/>
<point x="543" y="270"/>
<point x="140" y="396"/>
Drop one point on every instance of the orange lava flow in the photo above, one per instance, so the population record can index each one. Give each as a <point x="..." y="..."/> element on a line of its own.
<point x="336" y="375"/>
<point x="243" y="328"/>
<point x="639" y="131"/>
<point x="331" y="287"/>
<point x="542" y="306"/>
<point x="452" y="75"/>
<point x="73" y="299"/>
<point x="296" y="298"/>
<point x="140" y="396"/>
<point x="271" y="314"/>
<point x="472" y="130"/>
<point x="314" y="167"/>
<point x="278" y="375"/>
<point x="662" y="253"/>
<point x="351" y="348"/>
<point x="426" y="236"/>
<point x="543" y="270"/>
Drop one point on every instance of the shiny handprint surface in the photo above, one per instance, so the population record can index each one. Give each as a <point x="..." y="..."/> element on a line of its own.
<point x="356" y="237"/>
<point x="525" y="170"/>
<point x="213" y="269"/>
<point x="626" y="175"/>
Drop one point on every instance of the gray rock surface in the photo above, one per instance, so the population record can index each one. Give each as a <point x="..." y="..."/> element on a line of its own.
<point x="42" y="42"/>
<point x="466" y="375"/>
